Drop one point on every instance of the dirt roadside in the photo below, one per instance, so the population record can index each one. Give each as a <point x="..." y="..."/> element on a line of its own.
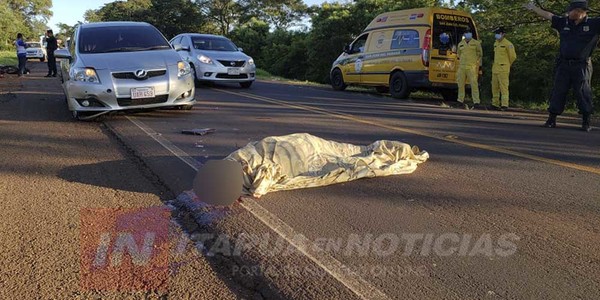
<point x="51" y="170"/>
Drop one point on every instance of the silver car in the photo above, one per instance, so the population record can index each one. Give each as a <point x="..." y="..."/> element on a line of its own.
<point x="115" y="66"/>
<point x="215" y="58"/>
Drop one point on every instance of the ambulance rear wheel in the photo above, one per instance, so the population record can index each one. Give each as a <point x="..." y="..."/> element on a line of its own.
<point x="337" y="80"/>
<point x="399" y="86"/>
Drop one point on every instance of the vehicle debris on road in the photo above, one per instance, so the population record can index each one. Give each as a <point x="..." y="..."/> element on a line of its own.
<point x="201" y="131"/>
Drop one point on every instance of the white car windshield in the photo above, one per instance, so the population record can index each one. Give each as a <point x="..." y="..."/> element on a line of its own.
<point x="34" y="45"/>
<point x="213" y="44"/>
<point x="121" y="39"/>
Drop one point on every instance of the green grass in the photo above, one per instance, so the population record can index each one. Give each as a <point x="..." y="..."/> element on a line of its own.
<point x="570" y="109"/>
<point x="8" y="58"/>
<point x="262" y="74"/>
<point x="265" y="75"/>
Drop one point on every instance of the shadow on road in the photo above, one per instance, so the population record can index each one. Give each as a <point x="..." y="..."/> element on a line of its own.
<point x="194" y="220"/>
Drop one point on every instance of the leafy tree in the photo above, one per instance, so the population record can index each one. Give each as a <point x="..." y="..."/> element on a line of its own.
<point x="31" y="10"/>
<point x="173" y="17"/>
<point x="252" y="37"/>
<point x="333" y="26"/>
<point x="65" y="31"/>
<point x="222" y="13"/>
<point x="285" y="53"/>
<point x="92" y="15"/>
<point x="11" y="24"/>
<point x="282" y="14"/>
<point x="129" y="10"/>
<point x="23" y="16"/>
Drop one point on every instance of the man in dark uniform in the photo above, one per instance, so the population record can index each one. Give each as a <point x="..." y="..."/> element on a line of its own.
<point x="51" y="45"/>
<point x="578" y="39"/>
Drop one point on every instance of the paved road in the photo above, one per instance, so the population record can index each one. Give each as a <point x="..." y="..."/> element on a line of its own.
<point x="55" y="175"/>
<point x="519" y="202"/>
<point x="503" y="209"/>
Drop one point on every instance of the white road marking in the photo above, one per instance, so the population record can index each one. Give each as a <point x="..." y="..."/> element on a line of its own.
<point x="328" y="263"/>
<point x="166" y="144"/>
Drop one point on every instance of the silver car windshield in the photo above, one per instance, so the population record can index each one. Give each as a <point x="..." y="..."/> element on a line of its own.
<point x="213" y="44"/>
<point x="121" y="39"/>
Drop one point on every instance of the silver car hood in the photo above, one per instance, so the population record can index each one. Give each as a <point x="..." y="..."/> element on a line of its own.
<point x="127" y="61"/>
<point x="224" y="55"/>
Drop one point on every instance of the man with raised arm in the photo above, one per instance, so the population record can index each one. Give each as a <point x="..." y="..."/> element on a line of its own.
<point x="578" y="38"/>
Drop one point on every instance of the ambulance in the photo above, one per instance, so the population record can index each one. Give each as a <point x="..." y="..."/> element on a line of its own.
<point x="404" y="51"/>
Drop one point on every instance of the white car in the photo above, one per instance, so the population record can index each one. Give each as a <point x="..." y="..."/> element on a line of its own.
<point x="36" y="50"/>
<point x="215" y="58"/>
<point x="117" y="66"/>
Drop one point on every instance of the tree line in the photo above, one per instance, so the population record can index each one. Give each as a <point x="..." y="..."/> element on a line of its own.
<point x="291" y="39"/>
<point x="28" y="17"/>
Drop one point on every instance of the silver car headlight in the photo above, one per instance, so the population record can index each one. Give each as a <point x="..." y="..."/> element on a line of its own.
<point x="183" y="69"/>
<point x="205" y="59"/>
<point x="251" y="61"/>
<point x="85" y="75"/>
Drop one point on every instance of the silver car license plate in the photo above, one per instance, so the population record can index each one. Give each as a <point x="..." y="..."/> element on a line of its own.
<point x="144" y="92"/>
<point x="233" y="71"/>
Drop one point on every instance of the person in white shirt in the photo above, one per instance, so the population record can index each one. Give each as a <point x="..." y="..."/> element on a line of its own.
<point x="21" y="53"/>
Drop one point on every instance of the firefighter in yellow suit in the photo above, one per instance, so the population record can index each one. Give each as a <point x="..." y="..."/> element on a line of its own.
<point x="469" y="55"/>
<point x="504" y="56"/>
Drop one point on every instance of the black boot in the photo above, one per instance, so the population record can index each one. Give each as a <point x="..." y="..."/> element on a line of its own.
<point x="551" y="122"/>
<point x="585" y="124"/>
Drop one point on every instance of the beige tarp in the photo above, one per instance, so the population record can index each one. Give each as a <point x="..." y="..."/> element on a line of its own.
<point x="302" y="160"/>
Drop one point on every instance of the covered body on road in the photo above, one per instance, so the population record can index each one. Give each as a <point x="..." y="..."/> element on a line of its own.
<point x="302" y="160"/>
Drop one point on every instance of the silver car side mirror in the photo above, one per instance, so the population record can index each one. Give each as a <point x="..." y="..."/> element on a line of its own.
<point x="63" y="53"/>
<point x="179" y="47"/>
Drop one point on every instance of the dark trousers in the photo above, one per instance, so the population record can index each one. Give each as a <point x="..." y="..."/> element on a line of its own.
<point x="51" y="63"/>
<point x="576" y="75"/>
<point x="22" y="64"/>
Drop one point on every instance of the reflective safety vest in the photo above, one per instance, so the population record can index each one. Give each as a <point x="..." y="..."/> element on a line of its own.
<point x="504" y="56"/>
<point x="469" y="54"/>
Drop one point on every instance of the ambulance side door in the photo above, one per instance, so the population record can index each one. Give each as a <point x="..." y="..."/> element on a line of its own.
<point x="353" y="63"/>
<point x="377" y="64"/>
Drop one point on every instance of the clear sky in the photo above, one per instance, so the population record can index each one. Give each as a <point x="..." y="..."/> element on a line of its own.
<point x="71" y="11"/>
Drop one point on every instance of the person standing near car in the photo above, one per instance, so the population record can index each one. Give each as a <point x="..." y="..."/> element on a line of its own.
<point x="21" y="54"/>
<point x="504" y="56"/>
<point x="469" y="54"/>
<point x="579" y="36"/>
<point x="51" y="46"/>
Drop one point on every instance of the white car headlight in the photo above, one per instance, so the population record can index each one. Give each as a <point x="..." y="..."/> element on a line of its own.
<point x="183" y="68"/>
<point x="205" y="59"/>
<point x="251" y="61"/>
<point x="85" y="75"/>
